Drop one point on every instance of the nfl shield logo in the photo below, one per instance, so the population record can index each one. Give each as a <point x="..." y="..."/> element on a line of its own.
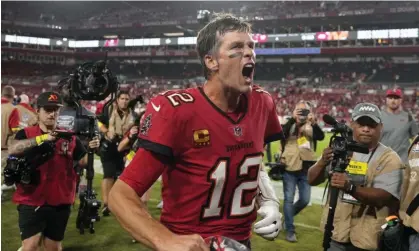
<point x="238" y="132"/>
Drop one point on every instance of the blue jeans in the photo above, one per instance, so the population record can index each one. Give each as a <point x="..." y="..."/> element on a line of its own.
<point x="290" y="181"/>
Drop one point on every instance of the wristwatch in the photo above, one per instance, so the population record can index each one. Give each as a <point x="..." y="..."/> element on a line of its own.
<point x="350" y="187"/>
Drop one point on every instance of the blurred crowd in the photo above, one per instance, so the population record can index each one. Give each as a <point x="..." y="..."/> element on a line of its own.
<point x="330" y="87"/>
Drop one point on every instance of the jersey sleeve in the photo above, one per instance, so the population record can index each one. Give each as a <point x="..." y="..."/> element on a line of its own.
<point x="144" y="169"/>
<point x="159" y="127"/>
<point x="273" y="131"/>
<point x="14" y="120"/>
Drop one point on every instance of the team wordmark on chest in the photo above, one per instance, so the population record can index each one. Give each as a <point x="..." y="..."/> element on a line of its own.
<point x="236" y="147"/>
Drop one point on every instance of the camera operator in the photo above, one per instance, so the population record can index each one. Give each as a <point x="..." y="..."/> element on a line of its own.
<point x="369" y="188"/>
<point x="298" y="154"/>
<point x="44" y="203"/>
<point x="114" y="125"/>
<point x="67" y="119"/>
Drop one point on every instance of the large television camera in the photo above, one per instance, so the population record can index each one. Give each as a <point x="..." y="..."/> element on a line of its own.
<point x="90" y="81"/>
<point x="343" y="146"/>
<point x="23" y="169"/>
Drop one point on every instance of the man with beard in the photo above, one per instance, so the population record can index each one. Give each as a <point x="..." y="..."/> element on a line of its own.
<point x="369" y="189"/>
<point x="398" y="125"/>
<point x="207" y="143"/>
<point x="67" y="119"/>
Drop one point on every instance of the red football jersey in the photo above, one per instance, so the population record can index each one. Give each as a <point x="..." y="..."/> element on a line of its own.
<point x="211" y="185"/>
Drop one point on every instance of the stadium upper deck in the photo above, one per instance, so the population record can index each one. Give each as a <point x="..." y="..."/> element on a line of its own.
<point x="90" y="20"/>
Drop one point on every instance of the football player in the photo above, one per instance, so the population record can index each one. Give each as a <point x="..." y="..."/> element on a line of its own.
<point x="207" y="143"/>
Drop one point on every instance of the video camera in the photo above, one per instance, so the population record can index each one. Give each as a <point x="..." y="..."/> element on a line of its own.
<point x="342" y="146"/>
<point x="23" y="169"/>
<point x="90" y="81"/>
<point x="277" y="168"/>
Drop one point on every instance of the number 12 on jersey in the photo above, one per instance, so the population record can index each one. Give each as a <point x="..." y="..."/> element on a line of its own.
<point x="218" y="176"/>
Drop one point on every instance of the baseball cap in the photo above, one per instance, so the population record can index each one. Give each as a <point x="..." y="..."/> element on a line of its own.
<point x="394" y="92"/>
<point x="49" y="99"/>
<point x="367" y="109"/>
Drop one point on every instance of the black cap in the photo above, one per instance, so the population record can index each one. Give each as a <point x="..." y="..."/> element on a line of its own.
<point x="49" y="99"/>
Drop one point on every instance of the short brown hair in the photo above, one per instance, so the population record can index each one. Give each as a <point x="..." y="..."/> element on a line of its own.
<point x="208" y="37"/>
<point x="8" y="91"/>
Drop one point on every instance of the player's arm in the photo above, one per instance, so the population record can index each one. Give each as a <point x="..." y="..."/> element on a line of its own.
<point x="270" y="224"/>
<point x="267" y="195"/>
<point x="125" y="199"/>
<point x="273" y="130"/>
<point x="158" y="143"/>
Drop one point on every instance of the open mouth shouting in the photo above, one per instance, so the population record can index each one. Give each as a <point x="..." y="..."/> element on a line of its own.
<point x="248" y="72"/>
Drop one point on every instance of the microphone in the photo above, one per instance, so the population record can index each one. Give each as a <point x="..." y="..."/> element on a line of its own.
<point x="329" y="120"/>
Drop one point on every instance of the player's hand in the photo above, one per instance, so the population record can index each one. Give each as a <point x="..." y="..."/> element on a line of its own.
<point x="327" y="155"/>
<point x="192" y="242"/>
<point x="133" y="131"/>
<point x="270" y="225"/>
<point x="339" y="180"/>
<point x="94" y="143"/>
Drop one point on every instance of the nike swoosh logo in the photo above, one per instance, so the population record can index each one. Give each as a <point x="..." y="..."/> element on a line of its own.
<point x="156" y="108"/>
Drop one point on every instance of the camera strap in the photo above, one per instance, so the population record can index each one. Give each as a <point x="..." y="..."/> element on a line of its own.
<point x="413" y="206"/>
<point x="372" y="154"/>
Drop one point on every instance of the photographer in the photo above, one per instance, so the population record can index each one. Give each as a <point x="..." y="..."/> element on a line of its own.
<point x="298" y="154"/>
<point x="369" y="188"/>
<point x="409" y="212"/>
<point x="26" y="112"/>
<point x="44" y="203"/>
<point x="115" y="123"/>
<point x="10" y="123"/>
<point x="129" y="145"/>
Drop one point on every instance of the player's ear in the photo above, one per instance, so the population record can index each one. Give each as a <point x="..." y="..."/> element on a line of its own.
<point x="211" y="62"/>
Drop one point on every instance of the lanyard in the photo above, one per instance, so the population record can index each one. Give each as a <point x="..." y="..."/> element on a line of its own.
<point x="372" y="154"/>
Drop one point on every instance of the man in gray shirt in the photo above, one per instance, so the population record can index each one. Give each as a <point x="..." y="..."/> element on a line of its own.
<point x="398" y="125"/>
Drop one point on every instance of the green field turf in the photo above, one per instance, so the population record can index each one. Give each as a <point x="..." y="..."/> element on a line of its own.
<point x="110" y="236"/>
